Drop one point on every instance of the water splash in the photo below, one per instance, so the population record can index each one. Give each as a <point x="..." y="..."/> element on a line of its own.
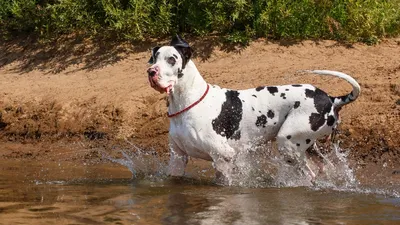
<point x="259" y="167"/>
<point x="256" y="167"/>
<point x="267" y="168"/>
<point x="142" y="164"/>
<point x="337" y="170"/>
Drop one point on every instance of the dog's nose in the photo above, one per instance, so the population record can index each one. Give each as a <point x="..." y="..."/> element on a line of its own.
<point x="152" y="71"/>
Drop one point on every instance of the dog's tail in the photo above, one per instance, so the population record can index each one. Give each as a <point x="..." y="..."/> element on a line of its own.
<point x="345" y="99"/>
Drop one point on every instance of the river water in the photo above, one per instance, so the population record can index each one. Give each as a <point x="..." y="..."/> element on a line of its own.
<point x="40" y="192"/>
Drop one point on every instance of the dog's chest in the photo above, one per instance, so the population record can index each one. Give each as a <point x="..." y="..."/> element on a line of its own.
<point x="192" y="137"/>
<point x="193" y="131"/>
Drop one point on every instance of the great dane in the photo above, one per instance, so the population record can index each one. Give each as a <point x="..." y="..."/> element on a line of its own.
<point x="215" y="124"/>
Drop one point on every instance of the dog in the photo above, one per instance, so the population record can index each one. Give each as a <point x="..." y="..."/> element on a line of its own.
<point x="213" y="123"/>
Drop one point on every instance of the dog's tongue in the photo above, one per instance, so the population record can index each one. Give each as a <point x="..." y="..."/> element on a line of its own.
<point x="160" y="89"/>
<point x="168" y="89"/>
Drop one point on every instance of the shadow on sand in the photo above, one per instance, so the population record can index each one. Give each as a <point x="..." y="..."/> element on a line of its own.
<point x="55" y="56"/>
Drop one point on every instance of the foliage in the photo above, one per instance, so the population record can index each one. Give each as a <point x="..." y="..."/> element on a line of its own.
<point x="237" y="20"/>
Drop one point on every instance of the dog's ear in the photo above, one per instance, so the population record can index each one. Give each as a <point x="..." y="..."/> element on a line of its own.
<point x="183" y="48"/>
<point x="153" y="55"/>
<point x="177" y="41"/>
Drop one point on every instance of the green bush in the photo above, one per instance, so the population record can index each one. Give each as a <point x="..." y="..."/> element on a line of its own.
<point x="238" y="20"/>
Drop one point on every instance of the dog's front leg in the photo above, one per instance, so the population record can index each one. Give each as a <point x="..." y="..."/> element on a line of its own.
<point x="178" y="160"/>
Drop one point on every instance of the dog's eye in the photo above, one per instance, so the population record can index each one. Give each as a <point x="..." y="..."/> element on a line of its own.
<point x="171" y="60"/>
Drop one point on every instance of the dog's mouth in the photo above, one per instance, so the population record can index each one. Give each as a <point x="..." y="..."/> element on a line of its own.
<point x="158" y="87"/>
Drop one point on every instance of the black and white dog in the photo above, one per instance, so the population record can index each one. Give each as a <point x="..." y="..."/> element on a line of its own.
<point x="215" y="124"/>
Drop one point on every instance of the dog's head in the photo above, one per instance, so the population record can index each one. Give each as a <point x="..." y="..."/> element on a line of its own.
<point x="168" y="63"/>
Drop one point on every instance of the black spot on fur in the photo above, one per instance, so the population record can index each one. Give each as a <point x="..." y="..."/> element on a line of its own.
<point x="252" y="108"/>
<point x="183" y="49"/>
<point x="297" y="144"/>
<point x="236" y="135"/>
<point x="180" y="74"/>
<point x="296" y="104"/>
<point x="242" y="100"/>
<point x="270" y="114"/>
<point x="323" y="105"/>
<point x="272" y="90"/>
<point x="322" y="102"/>
<point x="287" y="89"/>
<point x="288" y="137"/>
<point x="154" y="55"/>
<point x="297" y="85"/>
<point x="227" y="122"/>
<point x="330" y="121"/>
<point x="308" y="141"/>
<point x="255" y="96"/>
<point x="260" y="88"/>
<point x="261" y="121"/>
<point x="316" y="121"/>
<point x="310" y="93"/>
<point x="283" y="95"/>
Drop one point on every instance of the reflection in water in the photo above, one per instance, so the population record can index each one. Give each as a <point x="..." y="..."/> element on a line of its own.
<point x="115" y="199"/>
<point x="67" y="193"/>
<point x="281" y="206"/>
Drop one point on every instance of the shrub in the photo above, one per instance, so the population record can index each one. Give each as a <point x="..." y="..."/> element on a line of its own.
<point x="238" y="20"/>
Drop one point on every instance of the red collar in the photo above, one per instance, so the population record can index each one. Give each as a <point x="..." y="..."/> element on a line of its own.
<point x="192" y="105"/>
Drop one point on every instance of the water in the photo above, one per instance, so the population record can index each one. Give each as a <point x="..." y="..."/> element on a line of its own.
<point x="134" y="190"/>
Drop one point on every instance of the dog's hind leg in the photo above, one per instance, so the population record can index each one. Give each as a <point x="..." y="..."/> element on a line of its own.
<point x="223" y="162"/>
<point x="294" y="155"/>
<point x="292" y="144"/>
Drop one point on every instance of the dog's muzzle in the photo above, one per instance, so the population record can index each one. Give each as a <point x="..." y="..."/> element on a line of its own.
<point x="153" y="75"/>
<point x="153" y="71"/>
